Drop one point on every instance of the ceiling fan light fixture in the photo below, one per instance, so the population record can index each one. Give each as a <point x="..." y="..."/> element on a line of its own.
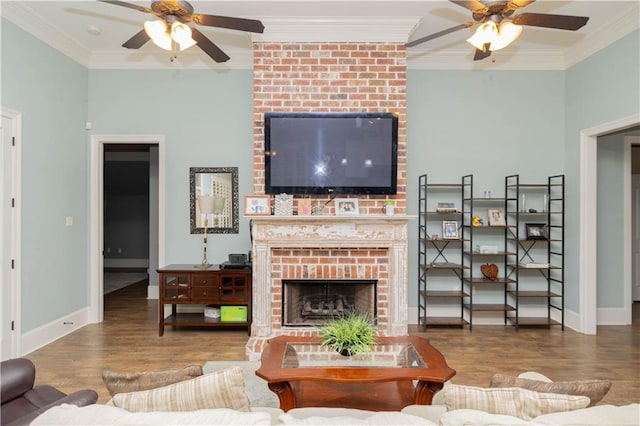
<point x="181" y="34"/>
<point x="157" y="31"/>
<point x="485" y="33"/>
<point x="507" y="34"/>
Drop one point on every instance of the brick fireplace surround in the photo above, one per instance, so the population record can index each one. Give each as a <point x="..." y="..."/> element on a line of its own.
<point x="329" y="77"/>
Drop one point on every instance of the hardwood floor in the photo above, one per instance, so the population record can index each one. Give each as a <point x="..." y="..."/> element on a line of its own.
<point x="128" y="340"/>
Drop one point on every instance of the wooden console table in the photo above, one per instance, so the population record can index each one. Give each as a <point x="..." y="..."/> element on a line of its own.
<point x="191" y="285"/>
<point x="304" y="374"/>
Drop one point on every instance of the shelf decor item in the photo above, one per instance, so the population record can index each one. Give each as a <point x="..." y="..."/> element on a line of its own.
<point x="496" y="217"/>
<point x="257" y="205"/>
<point x="450" y="230"/>
<point x="489" y="271"/>
<point x="346" y="206"/>
<point x="537" y="231"/>
<point x="284" y="205"/>
<point x="349" y="334"/>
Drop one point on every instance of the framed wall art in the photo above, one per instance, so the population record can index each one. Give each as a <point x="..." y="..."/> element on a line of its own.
<point x="257" y="205"/>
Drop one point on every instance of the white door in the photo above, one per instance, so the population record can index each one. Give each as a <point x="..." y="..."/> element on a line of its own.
<point x="635" y="243"/>
<point x="8" y="312"/>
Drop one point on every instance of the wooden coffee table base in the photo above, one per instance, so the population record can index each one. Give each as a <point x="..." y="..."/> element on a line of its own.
<point x="386" y="396"/>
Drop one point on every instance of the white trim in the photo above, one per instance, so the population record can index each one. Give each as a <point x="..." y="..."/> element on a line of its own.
<point x="612" y="316"/>
<point x="96" y="225"/>
<point x="54" y="330"/>
<point x="627" y="235"/>
<point x="16" y="237"/>
<point x="588" y="218"/>
<point x="25" y="17"/>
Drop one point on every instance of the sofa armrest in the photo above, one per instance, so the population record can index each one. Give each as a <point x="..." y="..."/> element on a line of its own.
<point x="79" y="398"/>
<point x="17" y="376"/>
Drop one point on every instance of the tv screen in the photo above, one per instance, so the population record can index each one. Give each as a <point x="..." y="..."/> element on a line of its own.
<point x="331" y="153"/>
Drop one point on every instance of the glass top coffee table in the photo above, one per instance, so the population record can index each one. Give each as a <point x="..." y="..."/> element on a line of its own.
<point x="303" y="374"/>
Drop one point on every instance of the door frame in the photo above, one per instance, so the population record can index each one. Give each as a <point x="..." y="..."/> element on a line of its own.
<point x="587" y="263"/>
<point x="15" y="304"/>
<point x="96" y="209"/>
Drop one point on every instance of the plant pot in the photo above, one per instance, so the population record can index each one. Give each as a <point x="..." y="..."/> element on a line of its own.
<point x="344" y="352"/>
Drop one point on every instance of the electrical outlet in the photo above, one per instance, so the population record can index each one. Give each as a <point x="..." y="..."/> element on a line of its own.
<point x="119" y="250"/>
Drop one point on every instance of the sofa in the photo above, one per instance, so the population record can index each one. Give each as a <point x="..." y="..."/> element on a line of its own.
<point x="219" y="398"/>
<point x="23" y="401"/>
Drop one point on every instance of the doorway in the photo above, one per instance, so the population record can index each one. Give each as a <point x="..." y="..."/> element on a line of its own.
<point x="588" y="224"/>
<point x="156" y="148"/>
<point x="126" y="215"/>
<point x="10" y="169"/>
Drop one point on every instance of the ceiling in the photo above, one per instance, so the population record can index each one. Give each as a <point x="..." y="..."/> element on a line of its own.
<point x="92" y="32"/>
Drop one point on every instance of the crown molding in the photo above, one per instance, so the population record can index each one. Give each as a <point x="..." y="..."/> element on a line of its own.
<point x="505" y="59"/>
<point x="155" y="58"/>
<point x="26" y="18"/>
<point x="624" y="24"/>
<point x="392" y="29"/>
<point x="322" y="29"/>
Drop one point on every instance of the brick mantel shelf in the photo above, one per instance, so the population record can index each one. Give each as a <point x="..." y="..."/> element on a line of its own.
<point x="327" y="247"/>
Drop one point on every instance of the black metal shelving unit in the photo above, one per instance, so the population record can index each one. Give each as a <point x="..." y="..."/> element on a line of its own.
<point x="537" y="291"/>
<point x="440" y="257"/>
<point x="474" y="282"/>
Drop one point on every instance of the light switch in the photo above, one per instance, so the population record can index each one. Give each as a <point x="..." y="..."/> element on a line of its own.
<point x="69" y="221"/>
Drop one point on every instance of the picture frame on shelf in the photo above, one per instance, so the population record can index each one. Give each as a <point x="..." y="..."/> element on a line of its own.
<point x="537" y="231"/>
<point x="496" y="217"/>
<point x="450" y="230"/>
<point x="257" y="205"/>
<point x="346" y="206"/>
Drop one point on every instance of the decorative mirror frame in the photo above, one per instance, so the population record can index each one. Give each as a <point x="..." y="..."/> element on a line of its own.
<point x="233" y="228"/>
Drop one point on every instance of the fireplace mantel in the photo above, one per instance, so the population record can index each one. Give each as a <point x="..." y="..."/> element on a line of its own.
<point x="379" y="233"/>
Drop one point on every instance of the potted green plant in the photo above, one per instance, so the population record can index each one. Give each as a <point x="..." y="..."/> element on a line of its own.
<point x="349" y="334"/>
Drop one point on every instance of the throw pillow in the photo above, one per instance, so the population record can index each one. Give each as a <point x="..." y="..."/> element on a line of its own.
<point x="121" y="382"/>
<point x="595" y="390"/>
<point x="222" y="389"/>
<point x="516" y="402"/>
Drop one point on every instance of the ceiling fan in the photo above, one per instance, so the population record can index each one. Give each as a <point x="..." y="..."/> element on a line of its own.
<point x="171" y="31"/>
<point x="498" y="28"/>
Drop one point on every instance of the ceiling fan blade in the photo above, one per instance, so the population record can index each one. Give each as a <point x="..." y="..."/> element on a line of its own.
<point x="129" y="5"/>
<point x="561" y="22"/>
<point x="473" y="5"/>
<point x="514" y="5"/>
<point x="251" y="25"/>
<point x="481" y="54"/>
<point x="438" y="34"/>
<point x="208" y="46"/>
<point x="137" y="40"/>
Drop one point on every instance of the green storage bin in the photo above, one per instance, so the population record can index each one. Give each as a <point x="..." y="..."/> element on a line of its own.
<point x="233" y="313"/>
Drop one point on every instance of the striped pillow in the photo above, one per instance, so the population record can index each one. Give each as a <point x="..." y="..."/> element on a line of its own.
<point x="516" y="402"/>
<point x="221" y="389"/>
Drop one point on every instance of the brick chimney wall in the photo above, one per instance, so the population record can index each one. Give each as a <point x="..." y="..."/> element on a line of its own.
<point x="331" y="77"/>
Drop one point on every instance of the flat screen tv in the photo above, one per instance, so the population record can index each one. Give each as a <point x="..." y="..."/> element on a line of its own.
<point x="331" y="153"/>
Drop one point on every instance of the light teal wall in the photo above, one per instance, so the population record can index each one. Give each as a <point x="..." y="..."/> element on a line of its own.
<point x="602" y="88"/>
<point x="610" y="214"/>
<point x="50" y="91"/>
<point x="207" y="119"/>
<point x="487" y="123"/>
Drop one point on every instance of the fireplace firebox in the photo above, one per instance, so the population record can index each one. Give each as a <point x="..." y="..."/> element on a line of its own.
<point x="314" y="302"/>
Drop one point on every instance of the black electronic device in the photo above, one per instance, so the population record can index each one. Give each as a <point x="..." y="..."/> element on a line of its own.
<point x="238" y="258"/>
<point x="236" y="261"/>
<point x="331" y="153"/>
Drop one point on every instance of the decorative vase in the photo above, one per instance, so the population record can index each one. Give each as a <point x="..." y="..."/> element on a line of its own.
<point x="344" y="352"/>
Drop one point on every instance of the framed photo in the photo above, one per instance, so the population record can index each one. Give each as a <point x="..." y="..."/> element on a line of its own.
<point x="450" y="230"/>
<point x="346" y="206"/>
<point x="304" y="206"/>
<point x="537" y="231"/>
<point x="496" y="217"/>
<point x="257" y="205"/>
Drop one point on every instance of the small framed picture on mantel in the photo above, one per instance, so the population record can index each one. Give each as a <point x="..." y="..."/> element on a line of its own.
<point x="257" y="205"/>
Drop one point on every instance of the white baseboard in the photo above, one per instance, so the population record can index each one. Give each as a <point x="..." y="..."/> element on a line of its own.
<point x="45" y="334"/>
<point x="611" y="316"/>
<point x="153" y="292"/>
<point x="126" y="263"/>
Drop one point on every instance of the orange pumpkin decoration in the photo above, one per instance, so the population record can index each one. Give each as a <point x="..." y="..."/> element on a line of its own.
<point x="489" y="271"/>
